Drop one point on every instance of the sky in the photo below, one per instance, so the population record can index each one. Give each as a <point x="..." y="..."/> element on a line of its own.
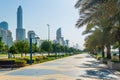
<point x="38" y="13"/>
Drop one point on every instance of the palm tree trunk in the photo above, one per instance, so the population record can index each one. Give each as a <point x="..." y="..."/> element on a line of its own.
<point x="108" y="52"/>
<point x="103" y="53"/>
<point x="119" y="51"/>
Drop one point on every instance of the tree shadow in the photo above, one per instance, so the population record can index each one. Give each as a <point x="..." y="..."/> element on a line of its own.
<point x="92" y="64"/>
<point x="99" y="74"/>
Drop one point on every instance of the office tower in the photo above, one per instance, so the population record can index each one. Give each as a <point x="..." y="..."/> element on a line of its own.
<point x="6" y="34"/>
<point x="58" y="34"/>
<point x="20" y="32"/>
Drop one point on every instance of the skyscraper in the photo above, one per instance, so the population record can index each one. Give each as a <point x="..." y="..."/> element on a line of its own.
<point x="58" y="34"/>
<point x="19" y="17"/>
<point x="20" y="32"/>
<point x="6" y="34"/>
<point x="60" y="38"/>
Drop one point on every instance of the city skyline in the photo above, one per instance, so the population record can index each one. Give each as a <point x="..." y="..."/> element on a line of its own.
<point x="37" y="15"/>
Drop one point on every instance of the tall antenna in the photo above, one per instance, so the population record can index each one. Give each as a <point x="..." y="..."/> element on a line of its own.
<point x="19" y="2"/>
<point x="48" y="32"/>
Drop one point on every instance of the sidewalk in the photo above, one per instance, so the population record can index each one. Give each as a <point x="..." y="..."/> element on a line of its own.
<point x="77" y="67"/>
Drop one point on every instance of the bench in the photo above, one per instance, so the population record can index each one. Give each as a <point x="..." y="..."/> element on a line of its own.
<point x="7" y="64"/>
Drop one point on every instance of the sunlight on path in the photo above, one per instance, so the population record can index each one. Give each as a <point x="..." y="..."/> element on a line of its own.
<point x="77" y="67"/>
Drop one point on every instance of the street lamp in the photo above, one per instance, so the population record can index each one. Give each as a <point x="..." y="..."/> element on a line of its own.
<point x="48" y="31"/>
<point x="31" y="47"/>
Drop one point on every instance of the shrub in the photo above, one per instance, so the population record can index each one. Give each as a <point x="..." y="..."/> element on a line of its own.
<point x="20" y="63"/>
<point x="52" y="55"/>
<point x="45" y="57"/>
<point x="38" y="58"/>
<point x="99" y="56"/>
<point x="115" y="59"/>
<point x="104" y="60"/>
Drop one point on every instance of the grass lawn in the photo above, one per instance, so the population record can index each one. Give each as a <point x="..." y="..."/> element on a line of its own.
<point x="6" y="55"/>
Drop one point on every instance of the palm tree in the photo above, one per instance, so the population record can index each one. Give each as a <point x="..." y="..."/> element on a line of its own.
<point x="99" y="13"/>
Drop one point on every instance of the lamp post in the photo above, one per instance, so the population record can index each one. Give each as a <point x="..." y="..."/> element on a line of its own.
<point x="48" y="31"/>
<point x="31" y="48"/>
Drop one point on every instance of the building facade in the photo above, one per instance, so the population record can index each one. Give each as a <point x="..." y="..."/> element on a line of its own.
<point x="60" y="38"/>
<point x="20" y="32"/>
<point x="58" y="34"/>
<point x="32" y="33"/>
<point x="6" y="34"/>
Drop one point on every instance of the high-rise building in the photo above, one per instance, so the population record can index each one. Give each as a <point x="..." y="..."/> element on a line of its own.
<point x="6" y="34"/>
<point x="58" y="34"/>
<point x="19" y="17"/>
<point x="20" y="32"/>
<point x="67" y="42"/>
<point x="60" y="38"/>
<point x="4" y="25"/>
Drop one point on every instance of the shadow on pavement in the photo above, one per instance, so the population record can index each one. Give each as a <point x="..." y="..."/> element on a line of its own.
<point x="99" y="74"/>
<point x="6" y="69"/>
<point x="33" y="72"/>
<point x="93" y="65"/>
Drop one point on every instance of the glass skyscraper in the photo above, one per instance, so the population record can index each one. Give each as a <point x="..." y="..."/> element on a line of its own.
<point x="60" y="38"/>
<point x="4" y="25"/>
<point x="58" y="34"/>
<point x="6" y="34"/>
<point x="20" y="32"/>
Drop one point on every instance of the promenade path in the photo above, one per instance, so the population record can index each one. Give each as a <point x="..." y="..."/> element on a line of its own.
<point x="77" y="67"/>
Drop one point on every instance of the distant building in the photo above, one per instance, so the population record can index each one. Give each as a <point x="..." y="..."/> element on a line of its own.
<point x="60" y="38"/>
<point x="32" y="33"/>
<point x="76" y="46"/>
<point x="4" y="25"/>
<point x="6" y="34"/>
<point x="20" y="32"/>
<point x="41" y="41"/>
<point x="67" y="42"/>
<point x="58" y="34"/>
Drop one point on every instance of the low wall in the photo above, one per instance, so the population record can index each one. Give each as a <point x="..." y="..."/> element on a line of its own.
<point x="113" y="65"/>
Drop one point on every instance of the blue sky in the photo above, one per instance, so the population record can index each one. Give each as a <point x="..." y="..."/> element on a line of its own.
<point x="38" y="13"/>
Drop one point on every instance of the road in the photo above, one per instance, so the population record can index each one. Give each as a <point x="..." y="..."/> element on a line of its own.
<point x="77" y="67"/>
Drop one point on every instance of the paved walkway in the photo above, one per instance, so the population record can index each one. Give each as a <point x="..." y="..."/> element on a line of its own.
<point x="78" y="67"/>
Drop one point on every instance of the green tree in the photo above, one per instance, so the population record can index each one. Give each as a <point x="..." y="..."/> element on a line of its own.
<point x="6" y="48"/>
<point x="22" y="47"/>
<point x="13" y="50"/>
<point x="1" y="45"/>
<point x="25" y="47"/>
<point x="47" y="46"/>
